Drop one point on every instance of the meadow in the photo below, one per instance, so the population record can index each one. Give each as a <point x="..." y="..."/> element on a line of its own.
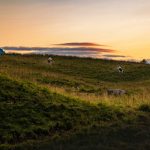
<point x="66" y="106"/>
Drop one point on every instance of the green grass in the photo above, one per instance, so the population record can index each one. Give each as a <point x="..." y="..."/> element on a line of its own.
<point x="28" y="112"/>
<point x="65" y="106"/>
<point x="86" y="79"/>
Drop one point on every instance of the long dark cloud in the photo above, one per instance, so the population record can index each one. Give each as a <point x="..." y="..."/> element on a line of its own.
<point x="114" y="56"/>
<point x="92" y="49"/>
<point x="87" y="44"/>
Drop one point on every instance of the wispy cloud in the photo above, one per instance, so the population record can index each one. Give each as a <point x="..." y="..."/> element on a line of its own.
<point x="91" y="49"/>
<point x="76" y="44"/>
<point x="114" y="56"/>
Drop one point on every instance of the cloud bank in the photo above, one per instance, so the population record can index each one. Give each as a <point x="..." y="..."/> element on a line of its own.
<point x="74" y="44"/>
<point x="84" y="49"/>
<point x="59" y="49"/>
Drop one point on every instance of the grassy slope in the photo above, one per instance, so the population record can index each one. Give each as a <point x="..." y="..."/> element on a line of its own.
<point x="87" y="79"/>
<point x="30" y="112"/>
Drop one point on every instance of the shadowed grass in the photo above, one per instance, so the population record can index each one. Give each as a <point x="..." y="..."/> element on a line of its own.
<point x="29" y="112"/>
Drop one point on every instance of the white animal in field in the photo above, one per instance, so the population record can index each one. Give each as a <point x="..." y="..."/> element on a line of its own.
<point x="147" y="62"/>
<point x="120" y="70"/>
<point x="50" y="60"/>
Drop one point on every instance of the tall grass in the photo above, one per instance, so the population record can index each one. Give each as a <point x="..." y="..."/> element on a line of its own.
<point x="86" y="79"/>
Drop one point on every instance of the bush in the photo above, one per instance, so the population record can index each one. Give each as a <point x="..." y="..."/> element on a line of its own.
<point x="145" y="108"/>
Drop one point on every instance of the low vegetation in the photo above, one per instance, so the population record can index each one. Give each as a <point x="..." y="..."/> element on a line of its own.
<point x="65" y="106"/>
<point x="87" y="79"/>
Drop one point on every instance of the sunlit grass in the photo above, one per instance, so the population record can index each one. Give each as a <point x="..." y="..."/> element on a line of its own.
<point x="85" y="79"/>
<point x="124" y="101"/>
<point x="72" y="77"/>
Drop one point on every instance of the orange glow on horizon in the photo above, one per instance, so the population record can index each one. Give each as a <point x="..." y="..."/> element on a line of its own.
<point x="122" y="25"/>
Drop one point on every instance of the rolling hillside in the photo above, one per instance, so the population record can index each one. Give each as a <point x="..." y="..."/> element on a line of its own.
<point x="65" y="106"/>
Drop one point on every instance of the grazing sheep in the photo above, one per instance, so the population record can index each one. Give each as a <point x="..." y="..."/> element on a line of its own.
<point x="120" y="70"/>
<point x="116" y="92"/>
<point x="50" y="60"/>
<point x="147" y="62"/>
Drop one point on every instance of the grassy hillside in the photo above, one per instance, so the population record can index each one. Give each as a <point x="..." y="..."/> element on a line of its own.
<point x="65" y="106"/>
<point x="87" y="79"/>
<point x="29" y="113"/>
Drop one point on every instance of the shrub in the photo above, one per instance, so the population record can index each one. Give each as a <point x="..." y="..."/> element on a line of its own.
<point x="145" y="108"/>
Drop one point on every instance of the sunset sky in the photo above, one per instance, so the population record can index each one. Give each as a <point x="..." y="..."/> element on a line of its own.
<point x="121" y="25"/>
